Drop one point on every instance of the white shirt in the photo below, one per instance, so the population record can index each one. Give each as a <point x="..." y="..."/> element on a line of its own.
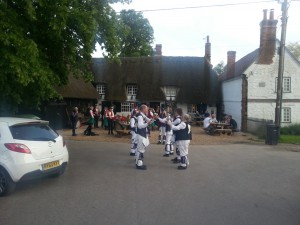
<point x="206" y="122"/>
<point x="141" y="123"/>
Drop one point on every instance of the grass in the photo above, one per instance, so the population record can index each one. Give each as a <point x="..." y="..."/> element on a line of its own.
<point x="290" y="139"/>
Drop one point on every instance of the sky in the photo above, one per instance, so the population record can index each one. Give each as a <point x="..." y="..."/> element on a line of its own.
<point x="230" y="28"/>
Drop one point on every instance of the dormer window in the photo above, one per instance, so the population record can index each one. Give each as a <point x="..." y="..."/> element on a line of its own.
<point x="101" y="89"/>
<point x="170" y="92"/>
<point x="131" y="92"/>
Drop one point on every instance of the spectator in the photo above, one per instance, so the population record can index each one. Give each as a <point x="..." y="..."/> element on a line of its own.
<point x="213" y="118"/>
<point x="74" y="120"/>
<point x="232" y="123"/>
<point x="207" y="124"/>
<point x="96" y="117"/>
<point x="110" y="116"/>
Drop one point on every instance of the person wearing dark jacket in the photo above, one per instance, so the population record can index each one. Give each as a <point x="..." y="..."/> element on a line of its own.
<point x="74" y="120"/>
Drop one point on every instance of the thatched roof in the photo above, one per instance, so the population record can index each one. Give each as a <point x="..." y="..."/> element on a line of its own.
<point x="78" y="89"/>
<point x="193" y="75"/>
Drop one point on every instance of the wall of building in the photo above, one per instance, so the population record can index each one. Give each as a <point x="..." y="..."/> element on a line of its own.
<point x="261" y="89"/>
<point x="232" y="97"/>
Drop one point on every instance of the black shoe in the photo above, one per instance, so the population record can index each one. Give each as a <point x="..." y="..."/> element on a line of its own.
<point x="132" y="154"/>
<point x="175" y="160"/>
<point x="166" y="155"/>
<point x="143" y="167"/>
<point x="159" y="142"/>
<point x="182" y="167"/>
<point x="171" y="153"/>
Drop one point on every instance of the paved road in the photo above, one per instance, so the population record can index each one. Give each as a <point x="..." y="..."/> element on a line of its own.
<point x="224" y="185"/>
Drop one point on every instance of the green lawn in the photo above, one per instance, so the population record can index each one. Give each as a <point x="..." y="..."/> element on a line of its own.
<point x="292" y="139"/>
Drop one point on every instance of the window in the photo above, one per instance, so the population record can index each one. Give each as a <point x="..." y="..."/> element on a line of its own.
<point x="170" y="92"/>
<point x="286" y="85"/>
<point x="33" y="132"/>
<point x="127" y="106"/>
<point x="131" y="89"/>
<point x="286" y="115"/>
<point x="192" y="108"/>
<point x="101" y="88"/>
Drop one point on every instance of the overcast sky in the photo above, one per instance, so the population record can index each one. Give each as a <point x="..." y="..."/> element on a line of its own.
<point x="232" y="27"/>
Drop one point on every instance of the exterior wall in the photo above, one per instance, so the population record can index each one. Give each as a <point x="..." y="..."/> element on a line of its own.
<point x="261" y="89"/>
<point x="232" y="98"/>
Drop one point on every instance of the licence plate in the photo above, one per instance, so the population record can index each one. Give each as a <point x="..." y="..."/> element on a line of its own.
<point x="50" y="165"/>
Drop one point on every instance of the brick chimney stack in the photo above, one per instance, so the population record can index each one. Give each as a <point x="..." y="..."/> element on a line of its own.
<point x="267" y="45"/>
<point x="208" y="50"/>
<point x="158" y="50"/>
<point x="231" y="56"/>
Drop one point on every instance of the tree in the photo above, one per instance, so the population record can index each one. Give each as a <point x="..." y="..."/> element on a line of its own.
<point x="294" y="49"/>
<point x="219" y="68"/>
<point x="42" y="42"/>
<point x="135" y="33"/>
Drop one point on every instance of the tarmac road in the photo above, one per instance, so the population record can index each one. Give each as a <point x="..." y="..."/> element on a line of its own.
<point x="224" y="185"/>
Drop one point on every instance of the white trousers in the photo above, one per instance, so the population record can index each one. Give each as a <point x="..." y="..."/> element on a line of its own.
<point x="133" y="142"/>
<point x="142" y="144"/>
<point x="183" y="147"/>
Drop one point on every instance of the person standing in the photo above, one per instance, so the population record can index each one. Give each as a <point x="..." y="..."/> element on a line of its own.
<point x="183" y="138"/>
<point x="142" y="137"/>
<point x="177" y="120"/>
<point x="162" y="129"/>
<point x="133" y="131"/>
<point x="110" y="116"/>
<point x="96" y="117"/>
<point x="169" y="133"/>
<point x="91" y="122"/>
<point x="74" y="120"/>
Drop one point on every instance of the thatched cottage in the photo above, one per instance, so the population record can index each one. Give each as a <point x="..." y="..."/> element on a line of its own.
<point x="187" y="82"/>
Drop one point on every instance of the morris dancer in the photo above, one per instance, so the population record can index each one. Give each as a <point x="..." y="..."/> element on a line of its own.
<point x="133" y="127"/>
<point x="183" y="137"/>
<point x="176" y="121"/>
<point x="162" y="129"/>
<point x="169" y="133"/>
<point x="142" y="136"/>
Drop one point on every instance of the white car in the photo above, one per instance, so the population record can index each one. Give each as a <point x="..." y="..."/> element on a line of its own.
<point x="29" y="149"/>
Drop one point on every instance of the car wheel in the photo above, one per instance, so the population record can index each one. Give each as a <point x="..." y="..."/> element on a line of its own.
<point x="7" y="186"/>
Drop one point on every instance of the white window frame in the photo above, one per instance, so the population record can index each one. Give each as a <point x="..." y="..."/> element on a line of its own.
<point x="131" y="89"/>
<point x="127" y="106"/>
<point x="286" y="114"/>
<point x="286" y="84"/>
<point x="101" y="89"/>
<point x="170" y="92"/>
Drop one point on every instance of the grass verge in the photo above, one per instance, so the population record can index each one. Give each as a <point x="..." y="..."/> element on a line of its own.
<point x="291" y="139"/>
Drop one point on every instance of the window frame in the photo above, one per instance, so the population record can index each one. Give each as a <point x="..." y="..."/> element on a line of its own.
<point x="283" y="82"/>
<point x="131" y="89"/>
<point x="289" y="115"/>
<point x="101" y="89"/>
<point x="127" y="106"/>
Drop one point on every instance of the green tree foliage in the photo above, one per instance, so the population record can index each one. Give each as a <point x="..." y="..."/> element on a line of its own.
<point x="135" y="33"/>
<point x="43" y="41"/>
<point x="219" y="68"/>
<point x="294" y="49"/>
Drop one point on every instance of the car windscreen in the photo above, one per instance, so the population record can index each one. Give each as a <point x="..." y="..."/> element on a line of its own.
<point x="33" y="132"/>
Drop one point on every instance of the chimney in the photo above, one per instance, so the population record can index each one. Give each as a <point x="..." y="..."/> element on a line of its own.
<point x="230" y="64"/>
<point x="208" y="50"/>
<point x="158" y="49"/>
<point x="267" y="45"/>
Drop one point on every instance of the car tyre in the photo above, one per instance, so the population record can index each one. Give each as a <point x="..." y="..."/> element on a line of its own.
<point x="7" y="185"/>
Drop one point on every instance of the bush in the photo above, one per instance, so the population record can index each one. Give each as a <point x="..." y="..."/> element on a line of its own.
<point x="291" y="130"/>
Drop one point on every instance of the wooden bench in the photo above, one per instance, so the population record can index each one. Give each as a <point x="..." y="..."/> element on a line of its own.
<point x="121" y="130"/>
<point x="223" y="131"/>
<point x="121" y="133"/>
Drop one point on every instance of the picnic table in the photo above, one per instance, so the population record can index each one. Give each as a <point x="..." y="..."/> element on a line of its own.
<point x="222" y="128"/>
<point x="122" y="128"/>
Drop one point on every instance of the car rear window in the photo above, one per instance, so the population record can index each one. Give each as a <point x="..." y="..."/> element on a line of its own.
<point x="33" y="132"/>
